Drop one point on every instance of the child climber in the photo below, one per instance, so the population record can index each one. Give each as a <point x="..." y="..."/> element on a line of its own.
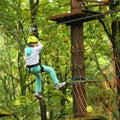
<point x="32" y="62"/>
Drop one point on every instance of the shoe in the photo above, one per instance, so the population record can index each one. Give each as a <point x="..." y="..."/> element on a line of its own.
<point x="59" y="85"/>
<point x="37" y="95"/>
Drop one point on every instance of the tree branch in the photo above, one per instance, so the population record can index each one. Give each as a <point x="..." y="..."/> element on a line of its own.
<point x="105" y="28"/>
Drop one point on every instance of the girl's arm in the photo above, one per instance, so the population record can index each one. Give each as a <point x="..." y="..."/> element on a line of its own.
<point x="39" y="47"/>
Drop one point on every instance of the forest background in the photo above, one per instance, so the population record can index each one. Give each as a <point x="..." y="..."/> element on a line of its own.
<point x="17" y="87"/>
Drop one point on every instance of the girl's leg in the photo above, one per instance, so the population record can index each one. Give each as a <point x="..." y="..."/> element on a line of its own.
<point x="38" y="84"/>
<point x="52" y="73"/>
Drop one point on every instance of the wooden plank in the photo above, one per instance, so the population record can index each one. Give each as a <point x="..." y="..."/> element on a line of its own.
<point x="55" y="18"/>
<point x="84" y="15"/>
<point x="79" y="16"/>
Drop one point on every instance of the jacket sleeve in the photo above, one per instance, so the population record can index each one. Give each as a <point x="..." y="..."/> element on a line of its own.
<point x="39" y="47"/>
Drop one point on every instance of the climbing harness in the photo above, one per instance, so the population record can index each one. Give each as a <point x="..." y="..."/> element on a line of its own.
<point x="30" y="66"/>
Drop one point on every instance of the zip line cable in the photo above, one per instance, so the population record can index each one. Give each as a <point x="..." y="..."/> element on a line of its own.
<point x="69" y="21"/>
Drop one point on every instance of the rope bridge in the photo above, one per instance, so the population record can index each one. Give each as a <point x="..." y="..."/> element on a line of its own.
<point x="100" y="97"/>
<point x="101" y="92"/>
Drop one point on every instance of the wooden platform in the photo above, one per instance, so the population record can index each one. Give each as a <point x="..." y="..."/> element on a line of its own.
<point x="82" y="16"/>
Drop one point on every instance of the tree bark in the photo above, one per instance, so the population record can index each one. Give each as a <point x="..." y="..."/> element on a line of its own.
<point x="43" y="109"/>
<point x="78" y="69"/>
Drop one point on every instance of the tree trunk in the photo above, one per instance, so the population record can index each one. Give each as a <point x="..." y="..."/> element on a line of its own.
<point x="43" y="109"/>
<point x="33" y="9"/>
<point x="78" y="69"/>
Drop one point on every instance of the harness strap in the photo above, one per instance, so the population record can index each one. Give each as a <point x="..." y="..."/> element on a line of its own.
<point x="42" y="68"/>
<point x="30" y="66"/>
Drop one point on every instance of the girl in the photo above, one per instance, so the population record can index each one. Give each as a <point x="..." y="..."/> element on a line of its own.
<point x="32" y="62"/>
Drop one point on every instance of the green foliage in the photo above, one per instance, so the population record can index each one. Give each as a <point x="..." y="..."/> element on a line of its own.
<point x="97" y="47"/>
<point x="17" y="88"/>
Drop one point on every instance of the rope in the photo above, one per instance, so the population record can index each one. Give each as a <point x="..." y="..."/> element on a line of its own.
<point x="82" y="81"/>
<point x="105" y="97"/>
<point x="78" y="79"/>
<point x="99" y="97"/>
<point x="81" y="106"/>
